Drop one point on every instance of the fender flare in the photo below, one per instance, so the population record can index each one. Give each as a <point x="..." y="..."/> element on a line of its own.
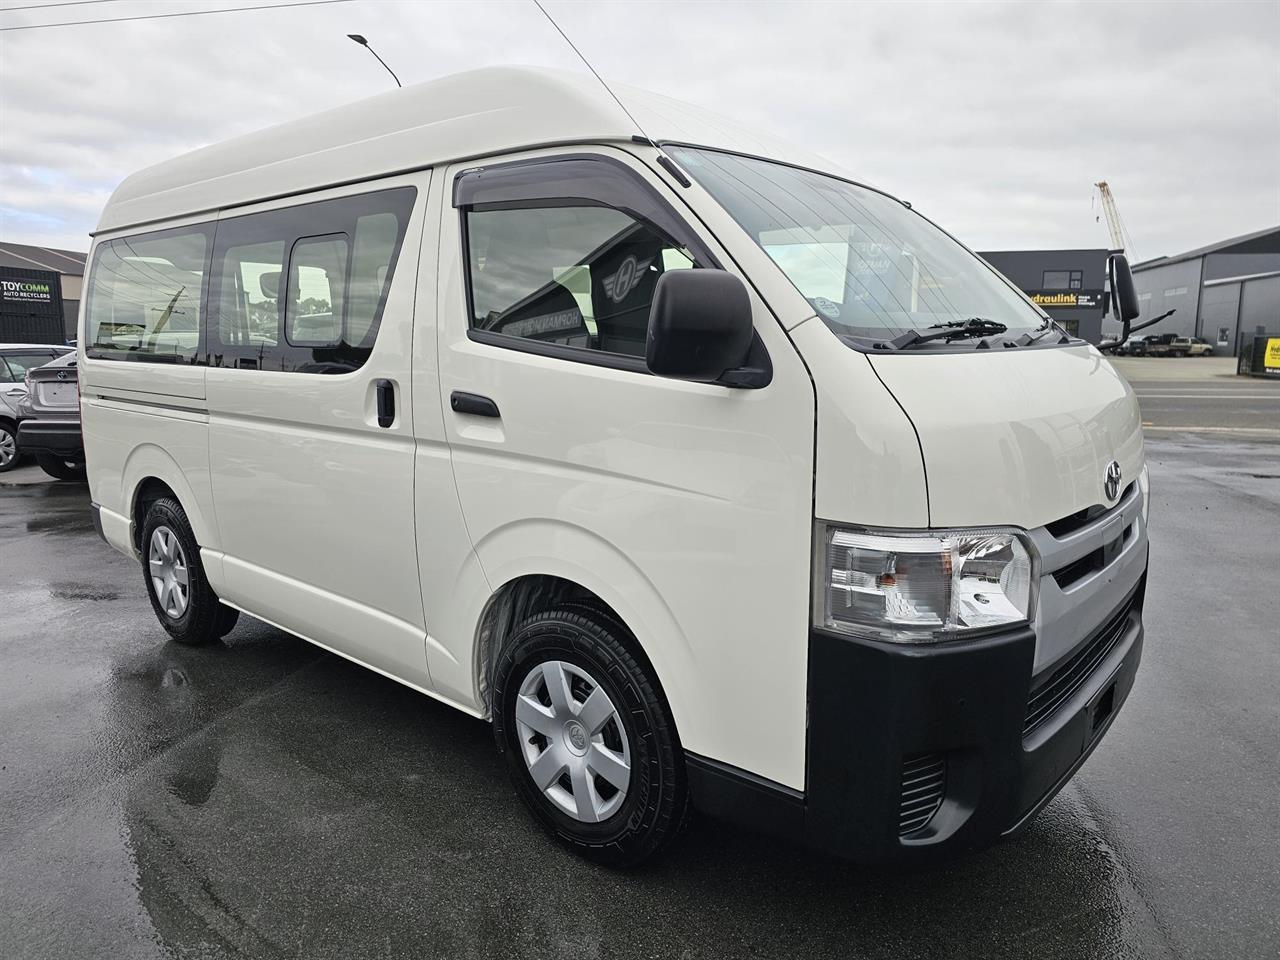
<point x="541" y="546"/>
<point x="147" y="460"/>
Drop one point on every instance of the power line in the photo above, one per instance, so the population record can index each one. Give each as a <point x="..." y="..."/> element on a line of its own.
<point x="164" y="16"/>
<point x="45" y="7"/>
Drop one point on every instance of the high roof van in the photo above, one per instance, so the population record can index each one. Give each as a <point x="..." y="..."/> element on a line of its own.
<point x="708" y="475"/>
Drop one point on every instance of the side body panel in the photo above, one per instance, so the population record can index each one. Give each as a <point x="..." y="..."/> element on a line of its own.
<point x="869" y="469"/>
<point x="143" y="420"/>
<point x="454" y="587"/>
<point x="687" y="507"/>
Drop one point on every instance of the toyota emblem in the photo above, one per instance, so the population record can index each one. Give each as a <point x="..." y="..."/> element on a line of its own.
<point x="1111" y="485"/>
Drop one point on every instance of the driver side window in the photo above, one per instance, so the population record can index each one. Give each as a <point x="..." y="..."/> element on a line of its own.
<point x="575" y="275"/>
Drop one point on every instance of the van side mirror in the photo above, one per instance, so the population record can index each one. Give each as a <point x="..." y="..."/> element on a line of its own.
<point x="699" y="325"/>
<point x="1124" y="298"/>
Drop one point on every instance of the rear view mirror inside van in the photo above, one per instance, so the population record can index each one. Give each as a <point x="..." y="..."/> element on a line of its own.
<point x="699" y="325"/>
<point x="269" y="282"/>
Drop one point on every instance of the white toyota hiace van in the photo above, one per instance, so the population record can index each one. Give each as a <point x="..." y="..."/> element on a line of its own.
<point x="707" y="474"/>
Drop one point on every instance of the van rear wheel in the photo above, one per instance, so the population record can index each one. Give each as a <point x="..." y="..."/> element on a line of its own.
<point x="588" y="737"/>
<point x="181" y="596"/>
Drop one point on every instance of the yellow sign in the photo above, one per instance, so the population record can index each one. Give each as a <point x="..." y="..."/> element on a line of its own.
<point x="1272" y="359"/>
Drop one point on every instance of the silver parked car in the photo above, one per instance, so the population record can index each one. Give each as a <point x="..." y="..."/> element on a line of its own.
<point x="15" y="360"/>
<point x="49" y="419"/>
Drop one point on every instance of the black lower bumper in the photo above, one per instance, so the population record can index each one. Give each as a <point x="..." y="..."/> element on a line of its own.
<point x="880" y="713"/>
<point x="59" y="438"/>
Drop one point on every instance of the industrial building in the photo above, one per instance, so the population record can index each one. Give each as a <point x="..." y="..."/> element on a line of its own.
<point x="1067" y="284"/>
<point x="40" y="291"/>
<point x="1225" y="293"/>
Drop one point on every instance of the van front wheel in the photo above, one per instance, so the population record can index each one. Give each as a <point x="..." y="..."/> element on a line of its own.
<point x="180" y="594"/>
<point x="588" y="737"/>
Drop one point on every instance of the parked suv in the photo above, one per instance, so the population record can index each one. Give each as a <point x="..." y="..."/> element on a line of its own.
<point x="15" y="360"/>
<point x="49" y="419"/>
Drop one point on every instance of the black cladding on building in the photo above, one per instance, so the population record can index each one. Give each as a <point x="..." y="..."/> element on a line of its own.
<point x="1067" y="284"/>
<point x="39" y="293"/>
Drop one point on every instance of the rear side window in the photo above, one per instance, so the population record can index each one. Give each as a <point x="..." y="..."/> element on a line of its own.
<point x="580" y="276"/>
<point x="302" y="289"/>
<point x="15" y="366"/>
<point x="317" y="288"/>
<point x="145" y="296"/>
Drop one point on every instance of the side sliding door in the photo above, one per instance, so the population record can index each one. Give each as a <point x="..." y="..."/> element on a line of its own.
<point x="311" y="443"/>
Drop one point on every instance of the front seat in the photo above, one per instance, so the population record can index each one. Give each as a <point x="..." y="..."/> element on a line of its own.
<point x="623" y="278"/>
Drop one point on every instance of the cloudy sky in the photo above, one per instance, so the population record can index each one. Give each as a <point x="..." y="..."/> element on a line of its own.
<point x="992" y="118"/>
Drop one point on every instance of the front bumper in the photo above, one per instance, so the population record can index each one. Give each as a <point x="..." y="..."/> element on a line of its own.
<point x="996" y="743"/>
<point x="61" y="438"/>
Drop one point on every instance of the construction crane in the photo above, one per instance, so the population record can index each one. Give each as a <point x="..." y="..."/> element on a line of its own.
<point x="1121" y="242"/>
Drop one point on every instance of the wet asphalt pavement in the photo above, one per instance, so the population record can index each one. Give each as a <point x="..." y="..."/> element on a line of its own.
<point x="262" y="798"/>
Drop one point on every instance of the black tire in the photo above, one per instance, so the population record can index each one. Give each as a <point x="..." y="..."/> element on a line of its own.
<point x="655" y="808"/>
<point x="205" y="618"/>
<point x="9" y="441"/>
<point x="60" y="469"/>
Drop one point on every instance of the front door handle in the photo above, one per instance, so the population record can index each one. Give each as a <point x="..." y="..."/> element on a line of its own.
<point x="386" y="403"/>
<point x="473" y="404"/>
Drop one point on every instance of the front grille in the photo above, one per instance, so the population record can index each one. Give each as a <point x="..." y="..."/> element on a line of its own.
<point x="1058" y="686"/>
<point x="924" y="782"/>
<point x="1091" y="562"/>
<point x="1082" y="518"/>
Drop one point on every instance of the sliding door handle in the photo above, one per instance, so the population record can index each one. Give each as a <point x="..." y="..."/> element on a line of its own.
<point x="386" y="403"/>
<point x="473" y="404"/>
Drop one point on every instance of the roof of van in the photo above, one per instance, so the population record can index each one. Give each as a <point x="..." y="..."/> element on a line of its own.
<point x="460" y="117"/>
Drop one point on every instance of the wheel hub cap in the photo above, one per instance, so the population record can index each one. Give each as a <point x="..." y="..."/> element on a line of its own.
<point x="167" y="565"/>
<point x="575" y="738"/>
<point x="573" y="741"/>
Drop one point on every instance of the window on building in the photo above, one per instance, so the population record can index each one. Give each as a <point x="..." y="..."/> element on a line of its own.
<point x="579" y="276"/>
<point x="145" y="294"/>
<point x="1175" y="291"/>
<point x="1063" y="280"/>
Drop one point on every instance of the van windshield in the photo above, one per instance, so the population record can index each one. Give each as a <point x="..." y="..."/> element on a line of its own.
<point x="871" y="267"/>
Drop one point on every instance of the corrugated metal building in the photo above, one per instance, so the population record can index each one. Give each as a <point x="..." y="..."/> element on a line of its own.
<point x="23" y="317"/>
<point x="1222" y="292"/>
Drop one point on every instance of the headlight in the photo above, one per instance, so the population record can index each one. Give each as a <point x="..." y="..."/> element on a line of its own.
<point x="1144" y="487"/>
<point x="921" y="588"/>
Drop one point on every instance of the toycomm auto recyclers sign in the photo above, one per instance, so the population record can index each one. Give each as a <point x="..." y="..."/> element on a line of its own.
<point x="31" y="292"/>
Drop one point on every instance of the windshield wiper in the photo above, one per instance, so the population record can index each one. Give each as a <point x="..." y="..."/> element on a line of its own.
<point x="1039" y="333"/>
<point x="955" y="330"/>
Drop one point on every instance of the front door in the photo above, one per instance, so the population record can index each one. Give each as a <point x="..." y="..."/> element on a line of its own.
<point x="686" y="506"/>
